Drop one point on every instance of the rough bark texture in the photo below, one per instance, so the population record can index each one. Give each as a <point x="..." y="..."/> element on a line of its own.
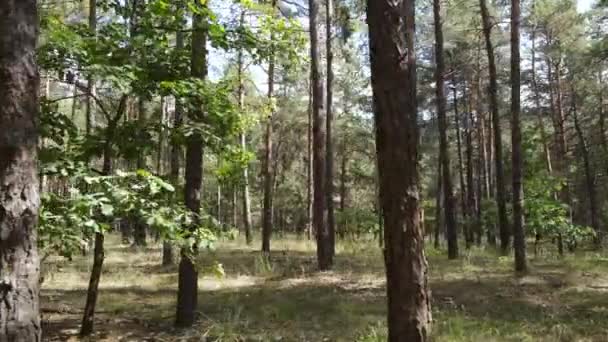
<point x="90" y="108"/>
<point x="444" y="155"/>
<point x="268" y="167"/>
<point x="503" y="224"/>
<point x="319" y="197"/>
<point x="519" y="235"/>
<point x="245" y="188"/>
<point x="393" y="67"/>
<point x="329" y="153"/>
<point x="463" y="190"/>
<point x="19" y="197"/>
<point x="187" y="293"/>
<point x="539" y="113"/>
<point x="309" y="168"/>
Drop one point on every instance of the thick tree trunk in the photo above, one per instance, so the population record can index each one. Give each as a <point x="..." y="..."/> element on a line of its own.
<point x="19" y="196"/>
<point x="519" y="234"/>
<point x="393" y="67"/>
<point x="329" y="143"/>
<point x="187" y="293"/>
<point x="503" y="224"/>
<point x="444" y="155"/>
<point x="324" y="255"/>
<point x="267" y="212"/>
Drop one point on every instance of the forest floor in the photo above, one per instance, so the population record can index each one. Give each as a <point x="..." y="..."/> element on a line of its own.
<point x="475" y="298"/>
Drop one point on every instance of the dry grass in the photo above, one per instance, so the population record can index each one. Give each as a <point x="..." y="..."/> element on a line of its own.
<point x="476" y="298"/>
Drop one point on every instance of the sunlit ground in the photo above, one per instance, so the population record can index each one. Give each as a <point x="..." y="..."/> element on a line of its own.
<point x="476" y="298"/>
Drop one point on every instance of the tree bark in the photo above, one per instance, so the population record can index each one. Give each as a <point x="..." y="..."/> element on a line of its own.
<point x="267" y="219"/>
<point x="463" y="186"/>
<point x="474" y="223"/>
<point x="177" y="152"/>
<point x="393" y="68"/>
<point x="187" y="293"/>
<point x="90" y="108"/>
<point x="324" y="256"/>
<point x="539" y="114"/>
<point x="503" y="224"/>
<point x="19" y="195"/>
<point x="243" y="137"/>
<point x="329" y="153"/>
<point x="519" y="234"/>
<point x="309" y="167"/>
<point x="444" y="155"/>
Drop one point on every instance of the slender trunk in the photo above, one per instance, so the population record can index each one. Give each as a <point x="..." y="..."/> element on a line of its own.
<point x="343" y="189"/>
<point x="245" y="187"/>
<point x="98" y="253"/>
<point x="324" y="257"/>
<point x="161" y="138"/>
<point x="558" y="122"/>
<point x="444" y="155"/>
<point x="139" y="233"/>
<point x="539" y="114"/>
<point x="439" y="225"/>
<point x="395" y="107"/>
<point x="589" y="175"/>
<point x="90" y="108"/>
<point x="329" y="153"/>
<point x="503" y="224"/>
<point x="187" y="293"/>
<point x="177" y="152"/>
<point x="19" y="196"/>
<point x="519" y="234"/>
<point x="309" y="168"/>
<point x="473" y="222"/>
<point x="268" y="169"/>
<point x="218" y="197"/>
<point x="463" y="190"/>
<point x="602" y="119"/>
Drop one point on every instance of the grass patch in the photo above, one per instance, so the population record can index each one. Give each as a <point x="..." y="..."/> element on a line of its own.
<point x="475" y="298"/>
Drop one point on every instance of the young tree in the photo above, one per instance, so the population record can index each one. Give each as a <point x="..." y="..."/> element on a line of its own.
<point x="19" y="197"/>
<point x="519" y="237"/>
<point x="187" y="295"/>
<point x="503" y="224"/>
<point x="393" y="66"/>
<point x="329" y="153"/>
<point x="446" y="177"/>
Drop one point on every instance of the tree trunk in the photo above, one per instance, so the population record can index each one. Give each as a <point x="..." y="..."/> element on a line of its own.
<point x="98" y="252"/>
<point x="343" y="190"/>
<point x="473" y="222"/>
<point x="393" y="68"/>
<point x="463" y="191"/>
<point x="324" y="256"/>
<point x="329" y="153"/>
<point x="176" y="149"/>
<point x="19" y="196"/>
<point x="539" y="114"/>
<point x="519" y="234"/>
<point x="139" y="233"/>
<point x="602" y="119"/>
<point x="268" y="169"/>
<point x="309" y="167"/>
<point x="589" y="175"/>
<point x="503" y="224"/>
<point x="90" y="108"/>
<point x="444" y="155"/>
<point x="187" y="293"/>
<point x="439" y="224"/>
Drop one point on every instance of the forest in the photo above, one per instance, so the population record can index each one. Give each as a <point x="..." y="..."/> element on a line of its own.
<point x="303" y="170"/>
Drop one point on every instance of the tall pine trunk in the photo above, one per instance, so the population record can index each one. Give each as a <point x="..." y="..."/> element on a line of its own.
<point x="319" y="170"/>
<point x="19" y="196"/>
<point x="243" y="137"/>
<point x="267" y="219"/>
<point x="187" y="293"/>
<point x="463" y="189"/>
<point x="519" y="234"/>
<point x="500" y="194"/>
<point x="329" y="143"/>
<point x="90" y="108"/>
<point x="309" y="168"/>
<point x="444" y="155"/>
<point x="393" y="68"/>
